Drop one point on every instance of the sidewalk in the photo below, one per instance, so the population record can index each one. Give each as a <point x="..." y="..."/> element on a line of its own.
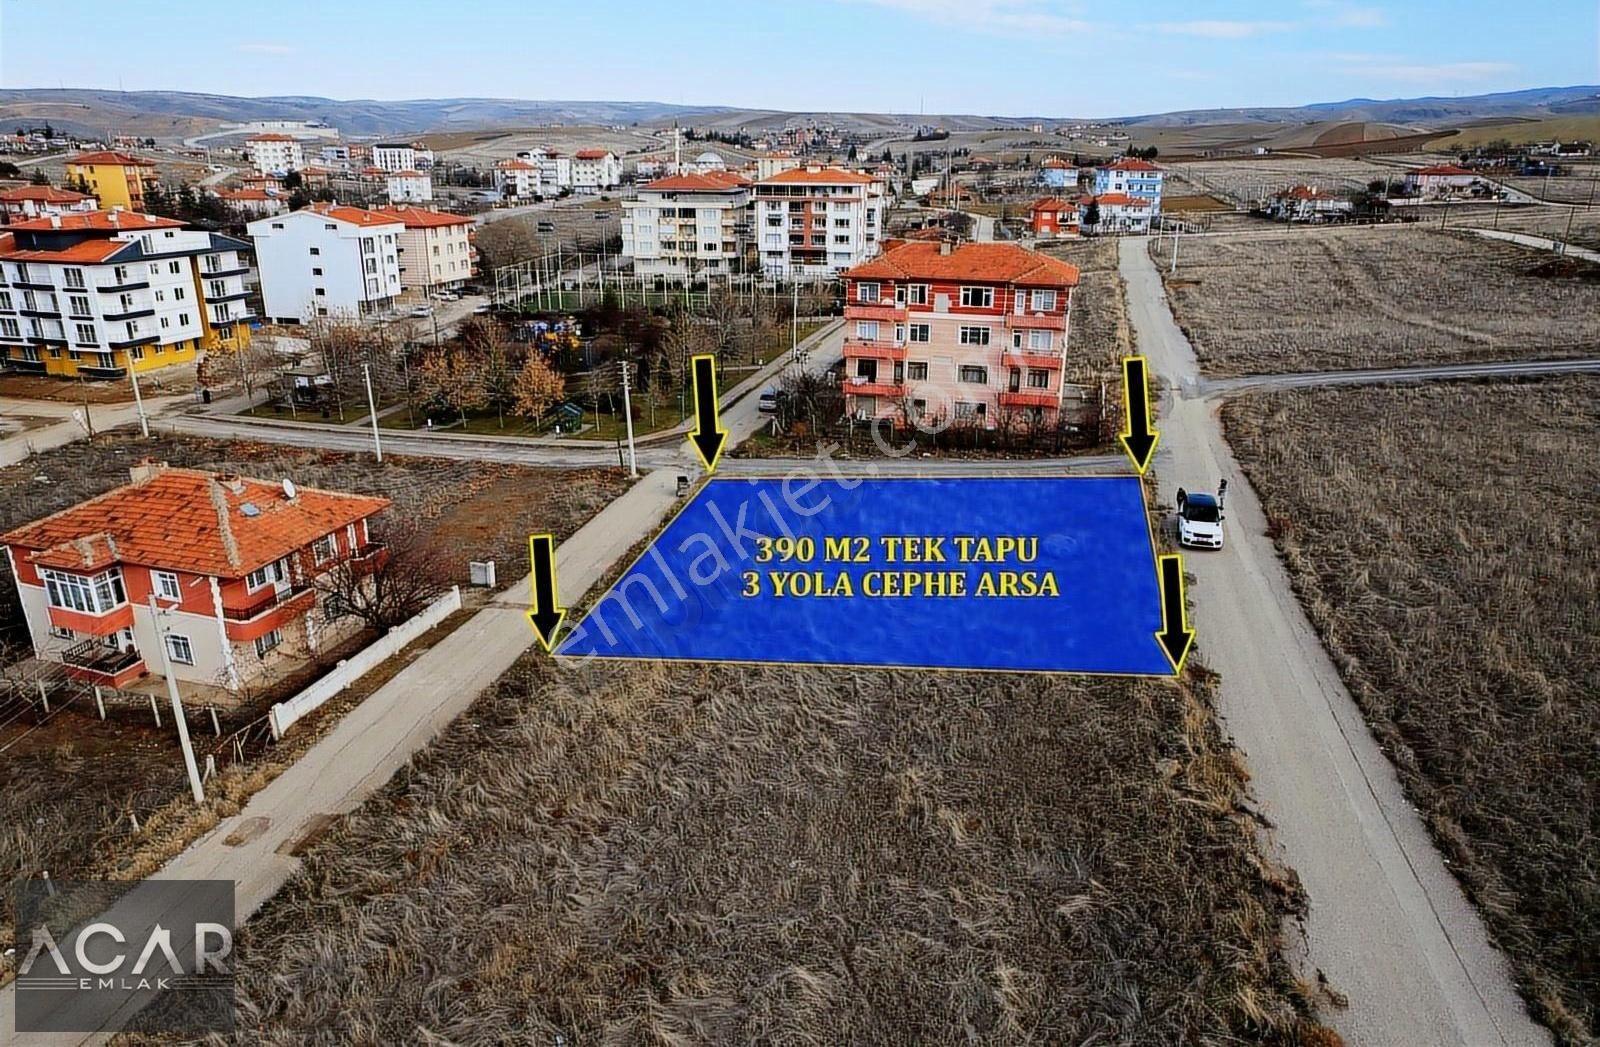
<point x="364" y="749"/>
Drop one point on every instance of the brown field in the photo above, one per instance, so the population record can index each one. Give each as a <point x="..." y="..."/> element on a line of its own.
<point x="1248" y="182"/>
<point x="1100" y="335"/>
<point x="1309" y="300"/>
<point x="1582" y="187"/>
<point x="1441" y="539"/>
<point x="1580" y="226"/>
<point x="1198" y="202"/>
<point x="694" y="854"/>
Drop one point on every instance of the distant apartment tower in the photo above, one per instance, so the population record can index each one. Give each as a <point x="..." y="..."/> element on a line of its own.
<point x="400" y="156"/>
<point x="99" y="294"/>
<point x="817" y="221"/>
<point x="117" y="179"/>
<point x="775" y="163"/>
<point x="595" y="171"/>
<point x="41" y="201"/>
<point x="327" y="260"/>
<point x="275" y="153"/>
<point x="409" y="187"/>
<point x="687" y="224"/>
<point x="972" y="333"/>
<point x="435" y="249"/>
<point x="517" y="179"/>
<point x="1134" y="177"/>
<point x="555" y="171"/>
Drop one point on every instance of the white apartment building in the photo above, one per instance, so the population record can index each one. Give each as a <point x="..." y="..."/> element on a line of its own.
<point x="274" y="153"/>
<point x="402" y="156"/>
<point x="815" y="222"/>
<point x="687" y="224"/>
<point x="327" y="260"/>
<point x="555" y="170"/>
<point x="517" y="179"/>
<point x="39" y="201"/>
<point x="98" y="294"/>
<point x="775" y="163"/>
<point x="436" y="250"/>
<point x="595" y="171"/>
<point x="409" y="187"/>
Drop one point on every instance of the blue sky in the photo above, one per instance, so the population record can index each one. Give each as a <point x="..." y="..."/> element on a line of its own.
<point x="1003" y="57"/>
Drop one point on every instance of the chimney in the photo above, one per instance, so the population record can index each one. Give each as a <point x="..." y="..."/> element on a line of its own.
<point x="55" y="221"/>
<point x="947" y="246"/>
<point x="146" y="470"/>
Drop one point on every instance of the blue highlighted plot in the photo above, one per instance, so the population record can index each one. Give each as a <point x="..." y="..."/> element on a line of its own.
<point x="1054" y="575"/>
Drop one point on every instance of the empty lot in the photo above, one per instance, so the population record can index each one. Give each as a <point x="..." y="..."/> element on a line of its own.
<point x="1319" y="299"/>
<point x="1441" y="538"/>
<point x="689" y="853"/>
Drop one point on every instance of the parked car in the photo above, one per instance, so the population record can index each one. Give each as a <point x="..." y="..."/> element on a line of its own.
<point x="481" y="310"/>
<point x="421" y="311"/>
<point x="1199" y="520"/>
<point x="769" y="401"/>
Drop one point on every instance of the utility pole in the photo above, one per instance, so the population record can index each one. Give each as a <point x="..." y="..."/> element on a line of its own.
<point x="627" y="414"/>
<point x="1177" y="235"/>
<point x="794" y="322"/>
<point x="377" y="444"/>
<point x="138" y="400"/>
<point x="162" y="635"/>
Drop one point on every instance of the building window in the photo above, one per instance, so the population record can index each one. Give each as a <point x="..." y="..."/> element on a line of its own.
<point x="268" y="642"/>
<point x="1044" y="301"/>
<point x="86" y="334"/>
<point x="974" y="336"/>
<point x="1038" y="378"/>
<point x="919" y="332"/>
<point x="917" y="371"/>
<point x="74" y="277"/>
<point x="977" y="298"/>
<point x="175" y="266"/>
<point x="867" y="292"/>
<point x="61" y="632"/>
<point x="917" y="294"/>
<point x="261" y="576"/>
<point x="177" y="294"/>
<point x="10" y="328"/>
<point x="179" y="649"/>
<point x="316" y="250"/>
<point x="165" y="584"/>
<point x="324" y="549"/>
<point x="75" y="592"/>
<point x="973" y="375"/>
<point x="969" y="411"/>
<point x="867" y="329"/>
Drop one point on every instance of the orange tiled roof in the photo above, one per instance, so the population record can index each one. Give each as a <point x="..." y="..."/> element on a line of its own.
<point x="353" y="215"/>
<point x="592" y="154"/>
<point x="1443" y="169"/>
<point x="406" y="174"/>
<point x="1306" y="192"/>
<point x="1055" y="162"/>
<point x="108" y="156"/>
<point x="98" y="221"/>
<point x="1129" y="163"/>
<point x="85" y="251"/>
<point x="516" y="165"/>
<point x="44" y="194"/>
<point x="246" y="194"/>
<point x="189" y="520"/>
<point x="995" y="263"/>
<point x="269" y="137"/>
<point x="825" y="176"/>
<point x="1121" y="200"/>
<point x="420" y="217"/>
<point x="1053" y="203"/>
<point x="711" y="182"/>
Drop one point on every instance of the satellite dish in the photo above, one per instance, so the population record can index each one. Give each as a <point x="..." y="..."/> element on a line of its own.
<point x="288" y="488"/>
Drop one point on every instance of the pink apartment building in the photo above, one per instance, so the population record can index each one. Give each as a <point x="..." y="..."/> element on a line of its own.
<point x="971" y="333"/>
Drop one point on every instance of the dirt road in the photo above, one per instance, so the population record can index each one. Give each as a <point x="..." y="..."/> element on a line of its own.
<point x="1388" y="925"/>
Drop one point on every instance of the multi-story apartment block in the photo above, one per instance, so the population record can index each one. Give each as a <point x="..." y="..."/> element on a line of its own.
<point x="1138" y="178"/>
<point x="100" y="294"/>
<point x="967" y="334"/>
<point x="116" y="179"/>
<point x="817" y="221"/>
<point x="436" y="251"/>
<point x="327" y="260"/>
<point x="595" y="170"/>
<point x="400" y="156"/>
<point x="517" y="179"/>
<point x="39" y="201"/>
<point x="1118" y="213"/>
<point x="776" y="163"/>
<point x="275" y="153"/>
<point x="687" y="224"/>
<point x="555" y="170"/>
<point x="254" y="203"/>
<point x="1056" y="173"/>
<point x="412" y="187"/>
<point x="230" y="565"/>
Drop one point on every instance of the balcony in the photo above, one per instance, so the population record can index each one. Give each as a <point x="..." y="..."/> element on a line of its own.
<point x="96" y="371"/>
<point x="129" y="285"/>
<point x="1024" y="358"/>
<point x="112" y="621"/>
<point x="880" y="311"/>
<point x="877" y="348"/>
<point x="105" y="664"/>
<point x="878" y="387"/>
<point x="267" y="610"/>
<point x="25" y="366"/>
<point x="1028" y="398"/>
<point x="218" y="274"/>
<point x="369" y="558"/>
<point x="1048" y="321"/>
<point x="141" y="339"/>
<point x="132" y="314"/>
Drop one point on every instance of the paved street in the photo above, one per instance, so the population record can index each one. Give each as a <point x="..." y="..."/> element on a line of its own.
<point x="1388" y="924"/>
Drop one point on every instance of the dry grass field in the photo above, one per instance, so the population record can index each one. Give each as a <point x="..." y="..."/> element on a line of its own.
<point x="1248" y="182"/>
<point x="697" y="854"/>
<point x="1310" y="300"/>
<point x="1442" y="540"/>
<point x="1577" y="225"/>
<point x="1100" y="335"/>
<point x="1581" y="187"/>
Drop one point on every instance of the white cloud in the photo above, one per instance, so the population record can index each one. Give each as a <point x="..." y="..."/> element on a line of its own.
<point x="1219" y="29"/>
<point x="1337" y="14"/>
<point x="265" y="48"/>
<point x="1030" y="17"/>
<point x="1437" y="72"/>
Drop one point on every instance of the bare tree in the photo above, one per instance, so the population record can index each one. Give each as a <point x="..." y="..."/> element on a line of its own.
<point x="389" y="586"/>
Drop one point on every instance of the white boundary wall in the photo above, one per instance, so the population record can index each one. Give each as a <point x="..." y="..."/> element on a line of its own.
<point x="284" y="714"/>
